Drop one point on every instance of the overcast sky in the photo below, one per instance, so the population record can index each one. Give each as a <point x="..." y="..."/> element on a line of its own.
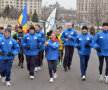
<point x="68" y="4"/>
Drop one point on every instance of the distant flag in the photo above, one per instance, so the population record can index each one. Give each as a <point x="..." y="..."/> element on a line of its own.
<point x="50" y="21"/>
<point x="23" y="20"/>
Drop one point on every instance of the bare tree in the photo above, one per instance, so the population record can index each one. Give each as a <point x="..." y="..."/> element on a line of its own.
<point x="78" y="18"/>
<point x="96" y="12"/>
<point x="11" y="12"/>
<point x="14" y="14"/>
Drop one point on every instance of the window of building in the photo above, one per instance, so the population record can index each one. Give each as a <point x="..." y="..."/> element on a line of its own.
<point x="34" y="9"/>
<point x="82" y="8"/>
<point x="86" y="7"/>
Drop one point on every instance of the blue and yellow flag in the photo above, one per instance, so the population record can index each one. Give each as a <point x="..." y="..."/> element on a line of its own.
<point x="23" y="20"/>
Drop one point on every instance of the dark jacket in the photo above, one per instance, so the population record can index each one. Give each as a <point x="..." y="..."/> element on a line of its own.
<point x="92" y="31"/>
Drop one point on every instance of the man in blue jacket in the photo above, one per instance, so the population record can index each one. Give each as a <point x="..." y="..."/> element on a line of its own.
<point x="84" y="44"/>
<point x="29" y="43"/>
<point x="68" y="37"/>
<point x="9" y="48"/>
<point x="40" y="47"/>
<point x="1" y="32"/>
<point x="100" y="43"/>
<point x="1" y="35"/>
<point x="20" y="35"/>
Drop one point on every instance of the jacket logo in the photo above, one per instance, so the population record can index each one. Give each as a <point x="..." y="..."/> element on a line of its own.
<point x="71" y="32"/>
<point x="39" y="35"/>
<point x="80" y="39"/>
<point x="65" y="33"/>
<point x="88" y="38"/>
<point x="12" y="34"/>
<point x="28" y="38"/>
<point x="10" y="42"/>
<point x="20" y="37"/>
<point x="35" y="37"/>
<point x="55" y="43"/>
<point x="101" y="37"/>
<point x="2" y="42"/>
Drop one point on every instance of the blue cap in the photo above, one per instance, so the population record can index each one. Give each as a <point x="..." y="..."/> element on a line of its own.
<point x="8" y="30"/>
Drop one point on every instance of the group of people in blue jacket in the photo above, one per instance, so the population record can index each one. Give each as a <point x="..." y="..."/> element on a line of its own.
<point x="33" y="45"/>
<point x="84" y="42"/>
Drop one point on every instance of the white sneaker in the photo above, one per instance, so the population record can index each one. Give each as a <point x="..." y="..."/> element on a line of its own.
<point x="36" y="69"/>
<point x="106" y="79"/>
<point x="39" y="68"/>
<point x="3" y="79"/>
<point x="51" y="80"/>
<point x="8" y="83"/>
<point x="31" y="77"/>
<point x="101" y="78"/>
<point x="83" y="77"/>
<point x="55" y="76"/>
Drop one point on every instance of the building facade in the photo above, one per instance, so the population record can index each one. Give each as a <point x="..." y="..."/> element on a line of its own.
<point x="92" y="11"/>
<point x="61" y="14"/>
<point x="32" y="5"/>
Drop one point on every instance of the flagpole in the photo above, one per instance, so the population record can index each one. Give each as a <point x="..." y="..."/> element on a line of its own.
<point x="44" y="22"/>
<point x="49" y="23"/>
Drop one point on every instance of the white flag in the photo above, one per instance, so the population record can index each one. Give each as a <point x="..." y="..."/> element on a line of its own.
<point x="50" y="21"/>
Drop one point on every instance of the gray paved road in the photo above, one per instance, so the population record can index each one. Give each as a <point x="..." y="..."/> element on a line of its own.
<point x="66" y="80"/>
